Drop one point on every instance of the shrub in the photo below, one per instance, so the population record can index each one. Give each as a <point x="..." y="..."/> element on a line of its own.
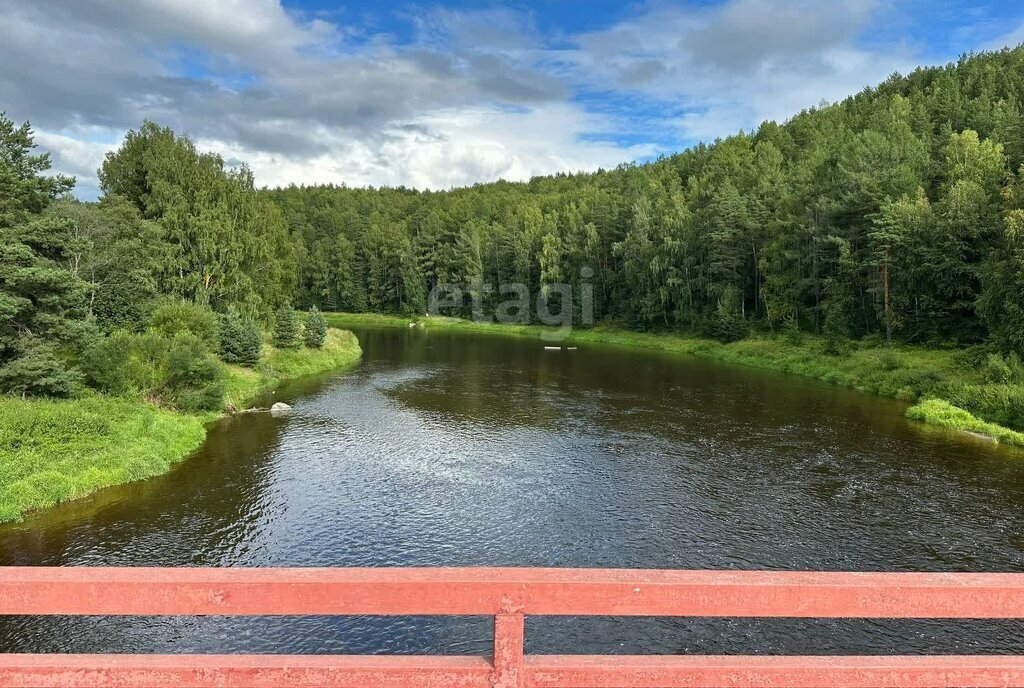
<point x="286" y="328"/>
<point x="793" y="335"/>
<point x="889" y="361"/>
<point x="240" y="340"/>
<point x="971" y="357"/>
<point x="173" y="317"/>
<point x="315" y="330"/>
<point x="1002" y="371"/>
<point x="837" y="329"/>
<point x="175" y="371"/>
<point x="194" y="382"/>
<point x="127" y="364"/>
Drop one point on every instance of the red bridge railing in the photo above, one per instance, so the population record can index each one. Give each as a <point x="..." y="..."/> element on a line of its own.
<point x="509" y="595"/>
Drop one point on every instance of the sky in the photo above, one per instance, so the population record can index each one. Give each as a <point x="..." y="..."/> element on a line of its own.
<point x="442" y="94"/>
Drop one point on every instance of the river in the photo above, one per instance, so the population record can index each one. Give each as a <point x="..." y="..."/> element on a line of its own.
<point x="448" y="449"/>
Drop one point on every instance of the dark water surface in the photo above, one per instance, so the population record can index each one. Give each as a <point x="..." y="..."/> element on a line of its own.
<point x="447" y="449"/>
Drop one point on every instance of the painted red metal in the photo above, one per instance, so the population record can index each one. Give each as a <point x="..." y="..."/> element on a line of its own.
<point x="236" y="671"/>
<point x="481" y="591"/>
<point x="509" y="595"/>
<point x="774" y="671"/>
<point x="561" y="671"/>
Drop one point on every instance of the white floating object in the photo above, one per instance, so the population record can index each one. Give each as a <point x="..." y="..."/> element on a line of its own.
<point x="280" y="409"/>
<point x="570" y="348"/>
<point x="552" y="348"/>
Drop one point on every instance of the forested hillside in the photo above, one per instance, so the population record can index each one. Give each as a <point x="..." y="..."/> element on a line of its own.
<point x="897" y="213"/>
<point x="896" y="216"/>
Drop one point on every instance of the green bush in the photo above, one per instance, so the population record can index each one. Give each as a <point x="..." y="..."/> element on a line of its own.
<point x="127" y="364"/>
<point x="195" y="381"/>
<point x="889" y="361"/>
<point x="286" y="328"/>
<point x="173" y="317"/>
<point x="1002" y="371"/>
<point x="175" y="371"/>
<point x="972" y="356"/>
<point x="126" y="303"/>
<point x="315" y="330"/>
<point x="240" y="339"/>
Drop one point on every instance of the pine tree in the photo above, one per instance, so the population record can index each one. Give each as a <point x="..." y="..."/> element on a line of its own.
<point x="41" y="301"/>
<point x="286" y="328"/>
<point x="240" y="340"/>
<point x="314" y="332"/>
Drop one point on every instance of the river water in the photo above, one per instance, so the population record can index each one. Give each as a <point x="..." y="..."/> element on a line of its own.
<point x="447" y="449"/>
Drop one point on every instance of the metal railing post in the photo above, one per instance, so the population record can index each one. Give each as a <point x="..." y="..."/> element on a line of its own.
<point x="509" y="642"/>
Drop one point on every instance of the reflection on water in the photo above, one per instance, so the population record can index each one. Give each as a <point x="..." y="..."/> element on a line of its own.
<point x="444" y="449"/>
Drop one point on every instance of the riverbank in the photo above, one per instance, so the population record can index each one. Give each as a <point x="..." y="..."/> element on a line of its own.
<point x="54" y="451"/>
<point x="971" y="402"/>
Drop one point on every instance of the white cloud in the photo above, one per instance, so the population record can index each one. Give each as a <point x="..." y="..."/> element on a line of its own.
<point x="476" y="96"/>
<point x="448" y="148"/>
<point x="734" y="65"/>
<point x="77" y="156"/>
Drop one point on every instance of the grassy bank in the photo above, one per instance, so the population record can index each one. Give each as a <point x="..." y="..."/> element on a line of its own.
<point x="53" y="451"/>
<point x="341" y="348"/>
<point x="919" y="375"/>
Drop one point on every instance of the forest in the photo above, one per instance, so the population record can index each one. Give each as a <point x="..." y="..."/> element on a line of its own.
<point x="893" y="217"/>
<point x="897" y="213"/>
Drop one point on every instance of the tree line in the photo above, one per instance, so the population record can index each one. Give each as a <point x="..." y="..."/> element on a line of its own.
<point x="896" y="214"/>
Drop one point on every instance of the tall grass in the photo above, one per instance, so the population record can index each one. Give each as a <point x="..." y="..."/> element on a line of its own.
<point x="56" y="450"/>
<point x="944" y="414"/>
<point x="340" y="349"/>
<point x="53" y="451"/>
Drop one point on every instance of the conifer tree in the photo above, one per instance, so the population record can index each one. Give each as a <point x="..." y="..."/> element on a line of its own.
<point x="314" y="331"/>
<point x="286" y="328"/>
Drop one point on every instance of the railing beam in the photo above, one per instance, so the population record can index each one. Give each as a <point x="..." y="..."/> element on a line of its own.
<point x="539" y="671"/>
<point x="569" y="592"/>
<point x="963" y="671"/>
<point x="241" y="671"/>
<point x="509" y="595"/>
<point x="509" y="646"/>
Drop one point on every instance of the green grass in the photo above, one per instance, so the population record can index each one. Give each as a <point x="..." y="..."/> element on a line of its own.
<point x="374" y="319"/>
<point x="942" y="413"/>
<point x="54" y="451"/>
<point x="907" y="373"/>
<point x="341" y="349"/>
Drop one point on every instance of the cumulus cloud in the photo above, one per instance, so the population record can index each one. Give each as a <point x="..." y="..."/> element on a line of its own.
<point x="288" y="93"/>
<point x="447" y="148"/>
<point x="471" y="96"/>
<point x="732" y="65"/>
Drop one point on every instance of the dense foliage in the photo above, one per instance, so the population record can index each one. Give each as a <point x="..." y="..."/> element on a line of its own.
<point x="226" y="246"/>
<point x="123" y="295"/>
<point x="897" y="213"/>
<point x="41" y="298"/>
<point x="894" y="216"/>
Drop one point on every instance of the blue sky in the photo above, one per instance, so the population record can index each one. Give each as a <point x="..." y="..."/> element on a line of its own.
<point x="441" y="94"/>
